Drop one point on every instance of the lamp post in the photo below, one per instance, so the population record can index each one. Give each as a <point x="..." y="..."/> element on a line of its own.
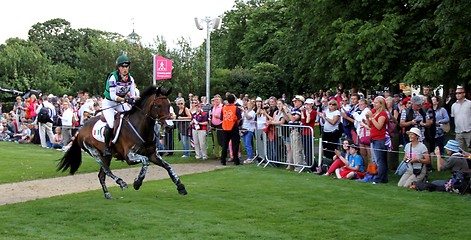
<point x="210" y="25"/>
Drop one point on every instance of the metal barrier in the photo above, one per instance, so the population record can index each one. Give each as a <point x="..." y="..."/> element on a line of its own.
<point x="175" y="138"/>
<point x="291" y="145"/>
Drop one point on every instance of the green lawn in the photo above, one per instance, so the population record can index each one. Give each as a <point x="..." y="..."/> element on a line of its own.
<point x="245" y="202"/>
<point x="22" y="162"/>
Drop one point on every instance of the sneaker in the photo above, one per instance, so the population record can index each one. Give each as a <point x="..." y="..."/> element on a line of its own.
<point x="205" y="158"/>
<point x="185" y="156"/>
<point x="198" y="157"/>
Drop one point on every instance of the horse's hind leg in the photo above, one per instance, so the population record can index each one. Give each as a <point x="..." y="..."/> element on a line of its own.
<point x="101" y="177"/>
<point x="155" y="158"/>
<point x="105" y="168"/>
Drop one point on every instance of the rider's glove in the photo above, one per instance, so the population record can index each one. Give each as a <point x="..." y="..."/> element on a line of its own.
<point x="130" y="101"/>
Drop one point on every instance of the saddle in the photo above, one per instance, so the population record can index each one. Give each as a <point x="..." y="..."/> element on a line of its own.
<point x="99" y="128"/>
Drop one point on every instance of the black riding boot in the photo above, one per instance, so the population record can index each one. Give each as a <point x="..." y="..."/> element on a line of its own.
<point x="108" y="134"/>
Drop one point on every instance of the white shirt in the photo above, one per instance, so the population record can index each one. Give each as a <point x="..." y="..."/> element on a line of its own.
<point x="66" y="118"/>
<point x="461" y="113"/>
<point x="330" y="115"/>
<point x="48" y="105"/>
<point x="248" y="124"/>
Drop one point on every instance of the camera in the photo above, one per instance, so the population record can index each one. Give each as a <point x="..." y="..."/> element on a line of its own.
<point x="266" y="107"/>
<point x="407" y="160"/>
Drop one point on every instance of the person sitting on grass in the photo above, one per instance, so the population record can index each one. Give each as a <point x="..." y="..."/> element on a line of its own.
<point x="417" y="157"/>
<point x="353" y="168"/>
<point x="458" y="161"/>
<point x="338" y="163"/>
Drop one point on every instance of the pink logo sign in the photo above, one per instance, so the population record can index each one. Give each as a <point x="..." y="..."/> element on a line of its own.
<point x="162" y="68"/>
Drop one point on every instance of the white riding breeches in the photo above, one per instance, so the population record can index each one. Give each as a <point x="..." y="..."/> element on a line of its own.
<point x="109" y="108"/>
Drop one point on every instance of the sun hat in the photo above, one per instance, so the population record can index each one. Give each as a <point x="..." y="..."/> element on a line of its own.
<point x="309" y="101"/>
<point x="453" y="146"/>
<point x="258" y="99"/>
<point x="417" y="100"/>
<point x="415" y="131"/>
<point x="299" y="98"/>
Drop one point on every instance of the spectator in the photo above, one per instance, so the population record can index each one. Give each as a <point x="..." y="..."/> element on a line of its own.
<point x="46" y="128"/>
<point x="199" y="124"/>
<point x="281" y="132"/>
<point x="456" y="162"/>
<point x="260" y="135"/>
<point x="331" y="133"/>
<point x="183" y="115"/>
<point x="362" y="128"/>
<point x="19" y="109"/>
<point x="347" y="110"/>
<point x="294" y="118"/>
<point x="29" y="136"/>
<point x="416" y="155"/>
<point x="441" y="117"/>
<point x="308" y="119"/>
<point x="393" y="130"/>
<point x="67" y="120"/>
<point x="216" y="124"/>
<point x="377" y="120"/>
<point x="180" y="98"/>
<point x="353" y="165"/>
<point x="57" y="140"/>
<point x="231" y="116"/>
<point x="248" y="128"/>
<point x="461" y="110"/>
<point x="338" y="162"/>
<point x="416" y="116"/>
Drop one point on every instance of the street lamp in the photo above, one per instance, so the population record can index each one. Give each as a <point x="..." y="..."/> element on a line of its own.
<point x="210" y="24"/>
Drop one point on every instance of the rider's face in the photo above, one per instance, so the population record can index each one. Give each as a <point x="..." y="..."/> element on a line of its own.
<point x="123" y="70"/>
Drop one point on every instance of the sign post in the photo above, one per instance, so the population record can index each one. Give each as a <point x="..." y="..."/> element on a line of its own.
<point x="162" y="69"/>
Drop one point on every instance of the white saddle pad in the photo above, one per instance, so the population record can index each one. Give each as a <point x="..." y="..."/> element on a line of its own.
<point x="99" y="130"/>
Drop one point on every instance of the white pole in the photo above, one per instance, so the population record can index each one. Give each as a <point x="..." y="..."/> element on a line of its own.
<point x="153" y="70"/>
<point x="208" y="58"/>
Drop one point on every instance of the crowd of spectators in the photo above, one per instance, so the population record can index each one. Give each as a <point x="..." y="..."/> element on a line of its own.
<point x="371" y="128"/>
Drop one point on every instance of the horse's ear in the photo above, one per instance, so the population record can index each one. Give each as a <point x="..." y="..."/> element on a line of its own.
<point x="168" y="92"/>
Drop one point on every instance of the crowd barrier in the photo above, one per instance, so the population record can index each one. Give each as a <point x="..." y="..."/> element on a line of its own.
<point x="173" y="137"/>
<point x="292" y="145"/>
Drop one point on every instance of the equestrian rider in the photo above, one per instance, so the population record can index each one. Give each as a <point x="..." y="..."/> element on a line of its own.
<point x="120" y="89"/>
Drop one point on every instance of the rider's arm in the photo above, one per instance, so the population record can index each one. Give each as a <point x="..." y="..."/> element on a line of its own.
<point x="112" y="89"/>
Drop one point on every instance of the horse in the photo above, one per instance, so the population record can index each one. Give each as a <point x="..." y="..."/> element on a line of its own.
<point x="134" y="141"/>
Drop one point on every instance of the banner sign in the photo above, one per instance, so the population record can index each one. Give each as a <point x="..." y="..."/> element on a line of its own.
<point x="162" y="68"/>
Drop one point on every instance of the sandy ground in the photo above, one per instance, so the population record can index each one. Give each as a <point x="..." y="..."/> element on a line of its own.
<point x="31" y="190"/>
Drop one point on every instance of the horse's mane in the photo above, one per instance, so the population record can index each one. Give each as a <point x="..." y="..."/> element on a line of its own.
<point x="148" y="92"/>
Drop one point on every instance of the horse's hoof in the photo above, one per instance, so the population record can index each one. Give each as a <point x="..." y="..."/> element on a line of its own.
<point x="181" y="189"/>
<point x="137" y="184"/>
<point x="108" y="195"/>
<point x="122" y="183"/>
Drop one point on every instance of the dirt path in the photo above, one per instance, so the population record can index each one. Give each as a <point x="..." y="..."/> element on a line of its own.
<point x="30" y="190"/>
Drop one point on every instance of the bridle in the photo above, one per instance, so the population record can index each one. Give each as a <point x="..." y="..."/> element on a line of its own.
<point x="148" y="115"/>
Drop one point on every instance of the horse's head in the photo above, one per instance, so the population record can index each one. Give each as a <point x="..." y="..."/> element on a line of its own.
<point x="154" y="103"/>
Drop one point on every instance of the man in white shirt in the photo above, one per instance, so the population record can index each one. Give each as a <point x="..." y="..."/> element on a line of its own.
<point x="46" y="128"/>
<point x="461" y="110"/>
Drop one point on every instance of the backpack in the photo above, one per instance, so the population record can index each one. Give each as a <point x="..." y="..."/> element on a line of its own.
<point x="44" y="115"/>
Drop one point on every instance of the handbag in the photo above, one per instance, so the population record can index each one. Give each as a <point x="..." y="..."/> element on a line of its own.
<point x="401" y="169"/>
<point x="372" y="169"/>
<point x="445" y="126"/>
<point x="365" y="137"/>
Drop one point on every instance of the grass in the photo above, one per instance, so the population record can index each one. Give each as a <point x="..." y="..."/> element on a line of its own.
<point x="246" y="202"/>
<point x="23" y="162"/>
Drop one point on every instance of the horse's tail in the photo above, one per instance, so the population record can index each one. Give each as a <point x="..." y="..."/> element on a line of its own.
<point x="72" y="158"/>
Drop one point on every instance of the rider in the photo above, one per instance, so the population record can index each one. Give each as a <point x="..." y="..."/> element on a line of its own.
<point x="120" y="88"/>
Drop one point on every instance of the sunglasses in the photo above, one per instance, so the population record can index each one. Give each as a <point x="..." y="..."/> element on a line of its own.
<point x="180" y="104"/>
<point x="459" y="92"/>
<point x="332" y="104"/>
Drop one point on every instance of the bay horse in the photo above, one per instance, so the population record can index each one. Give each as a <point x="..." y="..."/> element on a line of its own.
<point x="134" y="141"/>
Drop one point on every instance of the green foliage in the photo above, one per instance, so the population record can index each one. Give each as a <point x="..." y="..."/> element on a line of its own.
<point x="268" y="80"/>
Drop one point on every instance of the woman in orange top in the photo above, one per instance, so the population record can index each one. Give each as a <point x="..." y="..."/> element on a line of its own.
<point x="377" y="119"/>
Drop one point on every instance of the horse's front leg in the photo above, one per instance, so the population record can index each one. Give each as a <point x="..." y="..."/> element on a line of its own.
<point x="136" y="158"/>
<point x="157" y="159"/>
